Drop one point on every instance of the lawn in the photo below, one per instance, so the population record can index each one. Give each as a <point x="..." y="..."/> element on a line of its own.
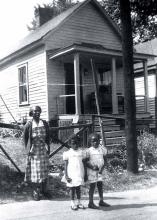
<point x="12" y="188"/>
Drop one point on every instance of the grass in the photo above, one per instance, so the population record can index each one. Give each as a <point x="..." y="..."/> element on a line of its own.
<point x="10" y="179"/>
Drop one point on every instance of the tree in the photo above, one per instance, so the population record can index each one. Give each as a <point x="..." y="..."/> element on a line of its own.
<point x="52" y="9"/>
<point x="143" y="17"/>
<point x="129" y="91"/>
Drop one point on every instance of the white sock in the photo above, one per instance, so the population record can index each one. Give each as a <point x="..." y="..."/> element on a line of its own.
<point x="78" y="201"/>
<point x="72" y="202"/>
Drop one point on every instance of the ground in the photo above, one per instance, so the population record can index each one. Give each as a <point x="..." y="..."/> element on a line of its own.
<point x="13" y="190"/>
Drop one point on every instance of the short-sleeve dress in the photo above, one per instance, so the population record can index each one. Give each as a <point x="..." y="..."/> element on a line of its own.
<point x="96" y="157"/>
<point x="38" y="163"/>
<point x="75" y="168"/>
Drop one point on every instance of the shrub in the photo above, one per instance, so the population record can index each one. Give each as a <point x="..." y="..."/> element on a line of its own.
<point x="147" y="153"/>
<point x="147" y="146"/>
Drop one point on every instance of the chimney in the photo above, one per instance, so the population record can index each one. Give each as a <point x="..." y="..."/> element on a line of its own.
<point x="43" y="15"/>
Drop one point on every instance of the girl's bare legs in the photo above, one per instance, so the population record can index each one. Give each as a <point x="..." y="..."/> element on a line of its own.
<point x="100" y="191"/>
<point x="72" y="195"/>
<point x="78" y="194"/>
<point x="91" y="194"/>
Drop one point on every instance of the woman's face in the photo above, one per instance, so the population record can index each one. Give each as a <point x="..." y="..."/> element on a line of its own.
<point x="36" y="113"/>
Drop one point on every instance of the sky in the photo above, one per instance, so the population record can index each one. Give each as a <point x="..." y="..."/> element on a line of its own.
<point x="15" y="15"/>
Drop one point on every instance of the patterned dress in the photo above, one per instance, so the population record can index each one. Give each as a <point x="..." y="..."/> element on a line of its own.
<point x="96" y="157"/>
<point x="38" y="161"/>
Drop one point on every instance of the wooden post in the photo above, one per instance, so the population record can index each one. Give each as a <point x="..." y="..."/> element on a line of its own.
<point x="77" y="84"/>
<point x="114" y="87"/>
<point x="97" y="101"/>
<point x="146" y="86"/>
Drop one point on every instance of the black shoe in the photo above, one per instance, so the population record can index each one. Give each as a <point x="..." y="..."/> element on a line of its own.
<point x="36" y="196"/>
<point x="104" y="204"/>
<point x="92" y="206"/>
<point x="47" y="195"/>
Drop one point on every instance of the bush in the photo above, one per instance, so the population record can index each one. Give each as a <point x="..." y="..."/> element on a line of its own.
<point x="147" y="153"/>
<point x="147" y="146"/>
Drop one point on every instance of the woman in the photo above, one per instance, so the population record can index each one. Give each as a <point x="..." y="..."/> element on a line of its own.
<point x="36" y="141"/>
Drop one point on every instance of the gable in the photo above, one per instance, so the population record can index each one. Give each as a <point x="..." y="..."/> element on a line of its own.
<point x="86" y="25"/>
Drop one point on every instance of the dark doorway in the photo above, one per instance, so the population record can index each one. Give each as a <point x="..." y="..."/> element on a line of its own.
<point x="69" y="88"/>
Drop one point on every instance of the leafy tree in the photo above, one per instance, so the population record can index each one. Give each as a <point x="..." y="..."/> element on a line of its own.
<point x="54" y="8"/>
<point x="143" y="17"/>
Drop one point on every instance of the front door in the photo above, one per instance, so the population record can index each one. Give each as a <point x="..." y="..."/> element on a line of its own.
<point x="105" y="90"/>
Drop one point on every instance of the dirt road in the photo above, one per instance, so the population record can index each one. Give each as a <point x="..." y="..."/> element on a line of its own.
<point x="130" y="205"/>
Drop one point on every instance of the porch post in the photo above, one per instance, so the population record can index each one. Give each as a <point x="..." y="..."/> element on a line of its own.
<point x="146" y="86"/>
<point x="77" y="84"/>
<point x="114" y="87"/>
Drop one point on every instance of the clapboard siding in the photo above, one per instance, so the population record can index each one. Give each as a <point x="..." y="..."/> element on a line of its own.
<point x="86" y="25"/>
<point x="36" y="62"/>
<point x="55" y="82"/>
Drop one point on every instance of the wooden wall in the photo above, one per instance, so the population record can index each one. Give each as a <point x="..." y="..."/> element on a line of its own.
<point x="85" y="25"/>
<point x="36" y="62"/>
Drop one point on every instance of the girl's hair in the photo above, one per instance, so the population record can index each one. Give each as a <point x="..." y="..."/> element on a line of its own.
<point x="34" y="108"/>
<point x="93" y="136"/>
<point x="75" y="137"/>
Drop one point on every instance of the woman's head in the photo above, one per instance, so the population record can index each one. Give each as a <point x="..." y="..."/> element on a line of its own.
<point x="35" y="112"/>
<point x="75" y="142"/>
<point x="94" y="140"/>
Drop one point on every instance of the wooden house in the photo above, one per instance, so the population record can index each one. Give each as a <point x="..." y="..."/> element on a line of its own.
<point x="149" y="47"/>
<point x="51" y="67"/>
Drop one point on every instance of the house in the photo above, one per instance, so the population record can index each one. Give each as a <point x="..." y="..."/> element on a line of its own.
<point x="151" y="48"/>
<point x="51" y="67"/>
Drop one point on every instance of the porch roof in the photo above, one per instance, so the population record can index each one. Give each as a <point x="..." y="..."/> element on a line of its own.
<point x="94" y="49"/>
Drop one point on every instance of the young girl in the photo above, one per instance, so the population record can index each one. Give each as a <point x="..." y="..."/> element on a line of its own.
<point x="95" y="166"/>
<point x="74" y="172"/>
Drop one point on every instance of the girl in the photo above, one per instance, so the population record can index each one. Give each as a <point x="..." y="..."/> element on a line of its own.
<point x="74" y="171"/>
<point x="37" y="144"/>
<point x="95" y="166"/>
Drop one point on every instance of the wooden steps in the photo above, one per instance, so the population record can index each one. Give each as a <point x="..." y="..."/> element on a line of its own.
<point x="114" y="136"/>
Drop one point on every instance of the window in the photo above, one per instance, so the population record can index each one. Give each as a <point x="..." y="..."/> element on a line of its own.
<point x="23" y="85"/>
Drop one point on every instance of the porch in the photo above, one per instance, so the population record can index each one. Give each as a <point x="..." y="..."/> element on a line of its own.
<point x="76" y="95"/>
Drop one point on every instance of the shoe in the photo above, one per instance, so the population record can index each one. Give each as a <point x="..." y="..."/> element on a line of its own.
<point x="92" y="206"/>
<point x="36" y="196"/>
<point x="80" y="206"/>
<point x="104" y="204"/>
<point x="47" y="195"/>
<point x="74" y="207"/>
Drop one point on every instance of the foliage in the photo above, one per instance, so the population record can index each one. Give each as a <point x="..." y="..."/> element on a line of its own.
<point x="56" y="7"/>
<point x="147" y="145"/>
<point x="143" y="15"/>
<point x="147" y="153"/>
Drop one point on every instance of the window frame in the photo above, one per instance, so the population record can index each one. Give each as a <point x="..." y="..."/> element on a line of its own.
<point x="21" y="85"/>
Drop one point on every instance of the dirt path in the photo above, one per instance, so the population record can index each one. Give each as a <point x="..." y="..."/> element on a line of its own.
<point x="130" y="205"/>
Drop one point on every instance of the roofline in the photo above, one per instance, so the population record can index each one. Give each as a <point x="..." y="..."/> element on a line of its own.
<point x="82" y="4"/>
<point x="102" y="51"/>
<point x="20" y="52"/>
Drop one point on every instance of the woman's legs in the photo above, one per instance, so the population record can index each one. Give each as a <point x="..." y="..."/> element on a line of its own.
<point x="36" y="191"/>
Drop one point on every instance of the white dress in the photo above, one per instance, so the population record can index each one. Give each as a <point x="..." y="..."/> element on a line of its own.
<point x="96" y="157"/>
<point x="75" y="168"/>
